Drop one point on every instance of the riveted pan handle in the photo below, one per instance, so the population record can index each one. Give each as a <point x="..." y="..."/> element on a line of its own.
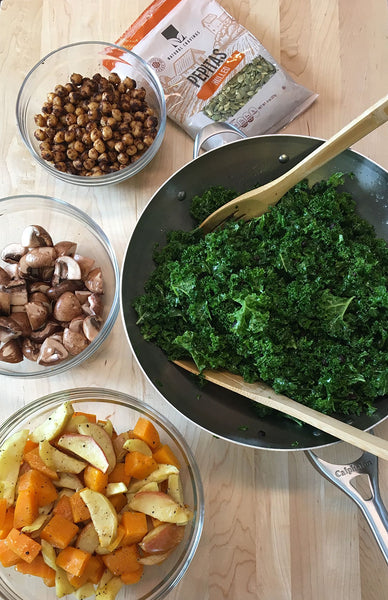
<point x="210" y="131"/>
<point x="372" y="508"/>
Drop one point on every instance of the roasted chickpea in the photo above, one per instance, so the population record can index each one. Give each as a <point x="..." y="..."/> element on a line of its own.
<point x="59" y="137"/>
<point x="70" y="118"/>
<point x="99" y="146"/>
<point x="72" y="154"/>
<point x="93" y="154"/>
<point x="95" y="134"/>
<point x="123" y="158"/>
<point x="92" y="126"/>
<point x="107" y="132"/>
<point x="79" y="146"/>
<point x="40" y="134"/>
<point x="40" y="120"/>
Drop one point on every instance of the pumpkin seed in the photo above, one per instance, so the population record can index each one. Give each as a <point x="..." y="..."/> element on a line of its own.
<point x="241" y="88"/>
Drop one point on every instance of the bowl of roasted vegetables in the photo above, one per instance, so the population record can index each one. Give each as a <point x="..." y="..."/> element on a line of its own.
<point x="100" y="496"/>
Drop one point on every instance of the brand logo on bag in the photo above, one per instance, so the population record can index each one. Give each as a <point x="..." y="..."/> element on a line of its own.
<point x="177" y="40"/>
<point x="173" y="36"/>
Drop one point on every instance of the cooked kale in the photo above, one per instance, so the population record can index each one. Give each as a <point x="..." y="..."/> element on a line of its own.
<point x="297" y="298"/>
<point x="202" y="206"/>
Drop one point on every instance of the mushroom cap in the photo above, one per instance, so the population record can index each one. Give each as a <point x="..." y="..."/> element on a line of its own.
<point x="74" y="341"/>
<point x="9" y="329"/>
<point x="94" y="281"/>
<point x="65" y="248"/>
<point x="37" y="314"/>
<point x="55" y="291"/>
<point x="11" y="352"/>
<point x="12" y="253"/>
<point x="67" y="268"/>
<point x="91" y="326"/>
<point x="51" y="352"/>
<point x="43" y="256"/>
<point x="67" y="307"/>
<point x="34" y="236"/>
<point x="49" y="329"/>
<point x="5" y="277"/>
<point x="30" y="349"/>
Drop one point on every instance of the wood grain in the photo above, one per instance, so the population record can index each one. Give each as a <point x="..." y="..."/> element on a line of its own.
<point x="274" y="528"/>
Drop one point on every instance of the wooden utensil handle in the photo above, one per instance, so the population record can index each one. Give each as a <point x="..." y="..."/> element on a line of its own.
<point x="264" y="395"/>
<point x="369" y="120"/>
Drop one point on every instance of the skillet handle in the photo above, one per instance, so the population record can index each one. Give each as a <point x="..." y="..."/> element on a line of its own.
<point x="210" y="131"/>
<point x="372" y="508"/>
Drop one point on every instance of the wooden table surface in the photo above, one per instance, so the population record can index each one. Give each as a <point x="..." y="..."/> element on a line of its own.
<point x="274" y="529"/>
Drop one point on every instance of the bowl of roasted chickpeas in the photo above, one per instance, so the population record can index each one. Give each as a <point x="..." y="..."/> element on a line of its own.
<point x="92" y="113"/>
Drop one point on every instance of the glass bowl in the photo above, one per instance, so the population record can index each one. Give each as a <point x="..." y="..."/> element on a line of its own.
<point x="87" y="59"/>
<point x="123" y="411"/>
<point x="63" y="222"/>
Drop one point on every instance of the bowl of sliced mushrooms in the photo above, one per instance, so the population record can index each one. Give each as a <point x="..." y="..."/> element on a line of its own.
<point x="58" y="286"/>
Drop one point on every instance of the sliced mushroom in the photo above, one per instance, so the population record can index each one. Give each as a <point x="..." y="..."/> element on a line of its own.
<point x="65" y="286"/>
<point x="94" y="281"/>
<point x="49" y="329"/>
<point x="23" y="321"/>
<point x="25" y="271"/>
<point x="76" y="324"/>
<point x="46" y="273"/>
<point x="34" y="236"/>
<point x="86" y="264"/>
<point x="66" y="248"/>
<point x="40" y="257"/>
<point x="67" y="307"/>
<point x="40" y="297"/>
<point x="17" y="308"/>
<point x="5" y="277"/>
<point x="11" y="352"/>
<point x="12" y="253"/>
<point x="30" y="349"/>
<point x="18" y="290"/>
<point x="9" y="329"/>
<point x="37" y="314"/>
<point x="74" y="341"/>
<point x="52" y="351"/>
<point x="93" y="305"/>
<point x="92" y="326"/>
<point x="96" y="305"/>
<point x="82" y="295"/>
<point x="66" y="268"/>
<point x="12" y="270"/>
<point x="5" y="302"/>
<point x="38" y="286"/>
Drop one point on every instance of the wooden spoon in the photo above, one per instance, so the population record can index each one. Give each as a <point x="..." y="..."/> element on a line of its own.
<point x="263" y="394"/>
<point x="256" y="202"/>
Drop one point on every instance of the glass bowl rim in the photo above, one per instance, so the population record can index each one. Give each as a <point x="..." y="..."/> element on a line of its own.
<point x="79" y="215"/>
<point x="122" y="174"/>
<point x="109" y="396"/>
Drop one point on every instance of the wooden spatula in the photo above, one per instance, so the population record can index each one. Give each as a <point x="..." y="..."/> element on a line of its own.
<point x="256" y="202"/>
<point x="263" y="394"/>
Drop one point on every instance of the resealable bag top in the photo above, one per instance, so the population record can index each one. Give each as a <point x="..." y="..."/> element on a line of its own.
<point x="213" y="69"/>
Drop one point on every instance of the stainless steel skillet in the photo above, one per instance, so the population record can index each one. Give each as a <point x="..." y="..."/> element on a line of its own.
<point x="242" y="165"/>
